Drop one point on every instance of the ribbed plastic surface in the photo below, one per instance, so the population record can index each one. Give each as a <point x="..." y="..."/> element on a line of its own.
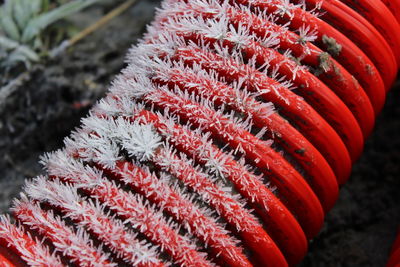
<point x="223" y="142"/>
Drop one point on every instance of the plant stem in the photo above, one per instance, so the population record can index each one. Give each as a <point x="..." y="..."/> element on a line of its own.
<point x="92" y="28"/>
<point x="105" y="19"/>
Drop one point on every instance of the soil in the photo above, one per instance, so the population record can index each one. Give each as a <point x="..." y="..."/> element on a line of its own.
<point x="36" y="117"/>
<point x="44" y="109"/>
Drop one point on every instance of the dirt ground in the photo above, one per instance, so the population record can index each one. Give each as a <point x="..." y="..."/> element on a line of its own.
<point x="42" y="111"/>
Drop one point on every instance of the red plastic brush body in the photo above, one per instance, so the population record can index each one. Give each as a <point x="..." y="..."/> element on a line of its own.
<point x="363" y="34"/>
<point x="223" y="142"/>
<point x="125" y="205"/>
<point x="183" y="211"/>
<point x="380" y="16"/>
<point x="302" y="79"/>
<point x="334" y="76"/>
<point x="280" y="223"/>
<point x="308" y="121"/>
<point x="321" y="176"/>
<point x="350" y="56"/>
<point x="299" y="196"/>
<point x="9" y="259"/>
<point x="254" y="236"/>
<point x="83" y="254"/>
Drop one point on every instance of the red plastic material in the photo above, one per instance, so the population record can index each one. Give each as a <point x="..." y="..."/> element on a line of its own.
<point x="394" y="7"/>
<point x="379" y="15"/>
<point x="394" y="260"/>
<point x="7" y="259"/>
<point x="257" y="110"/>
<point x="364" y="35"/>
<point x="280" y="223"/>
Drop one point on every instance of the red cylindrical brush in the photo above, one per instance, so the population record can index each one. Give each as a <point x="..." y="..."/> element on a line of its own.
<point x="223" y="142"/>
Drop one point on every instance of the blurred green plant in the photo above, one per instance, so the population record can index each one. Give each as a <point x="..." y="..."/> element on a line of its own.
<point x="22" y="26"/>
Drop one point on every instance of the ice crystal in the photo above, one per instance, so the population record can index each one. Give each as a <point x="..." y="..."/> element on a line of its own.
<point x="31" y="250"/>
<point x="169" y="155"/>
<point x="91" y="215"/>
<point x="77" y="245"/>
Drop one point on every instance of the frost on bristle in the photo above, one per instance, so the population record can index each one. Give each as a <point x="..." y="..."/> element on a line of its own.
<point x="152" y="224"/>
<point x="32" y="251"/>
<point x="208" y="118"/>
<point x="91" y="145"/>
<point x="233" y="62"/>
<point x="153" y="188"/>
<point x="104" y="141"/>
<point x="228" y="205"/>
<point x="61" y="165"/>
<point x="306" y="34"/>
<point x="215" y="11"/>
<point x="131" y="207"/>
<point x="262" y="23"/>
<point x="196" y="220"/>
<point x="231" y="68"/>
<point x="139" y="83"/>
<point x="286" y="8"/>
<point x="58" y="164"/>
<point x="116" y="104"/>
<point x="201" y="148"/>
<point x="152" y="40"/>
<point x="76" y="245"/>
<point x="315" y="10"/>
<point x="244" y="77"/>
<point x="153" y="97"/>
<point x="101" y="140"/>
<point x="141" y="141"/>
<point x="220" y="29"/>
<point x="91" y="215"/>
<point x="206" y="85"/>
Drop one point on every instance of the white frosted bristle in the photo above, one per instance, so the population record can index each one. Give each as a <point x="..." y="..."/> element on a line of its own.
<point x="148" y="173"/>
<point x="32" y="251"/>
